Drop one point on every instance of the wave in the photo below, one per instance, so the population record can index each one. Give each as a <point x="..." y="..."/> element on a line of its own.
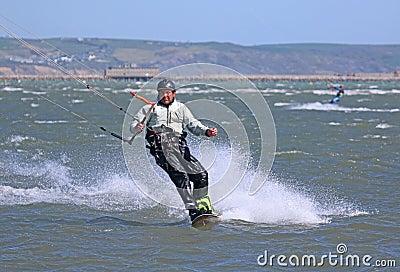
<point x="279" y="203"/>
<point x="50" y="121"/>
<point x="11" y="89"/>
<point x="383" y="126"/>
<point x="355" y="92"/>
<point x="34" y="92"/>
<point x="47" y="181"/>
<point x="116" y="193"/>
<point x="39" y="180"/>
<point x="18" y="139"/>
<point x="374" y="136"/>
<point x="282" y="104"/>
<point x="123" y="91"/>
<point x="318" y="106"/>
<point x="276" y="91"/>
<point x="292" y="152"/>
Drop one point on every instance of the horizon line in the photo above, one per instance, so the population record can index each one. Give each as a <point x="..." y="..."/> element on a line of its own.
<point x="204" y="42"/>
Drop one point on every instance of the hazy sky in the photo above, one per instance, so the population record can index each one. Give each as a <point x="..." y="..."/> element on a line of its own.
<point x="244" y="22"/>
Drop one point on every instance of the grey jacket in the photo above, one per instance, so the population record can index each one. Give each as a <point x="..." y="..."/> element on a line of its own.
<point x="175" y="116"/>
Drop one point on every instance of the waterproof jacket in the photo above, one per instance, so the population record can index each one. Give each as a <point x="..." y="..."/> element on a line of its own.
<point x="175" y="116"/>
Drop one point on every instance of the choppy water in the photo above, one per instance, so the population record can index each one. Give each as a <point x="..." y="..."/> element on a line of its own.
<point x="68" y="203"/>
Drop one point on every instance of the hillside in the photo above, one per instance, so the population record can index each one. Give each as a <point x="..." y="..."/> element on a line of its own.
<point x="98" y="54"/>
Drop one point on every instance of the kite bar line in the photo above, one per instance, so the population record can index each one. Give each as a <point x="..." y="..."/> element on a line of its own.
<point x="61" y="68"/>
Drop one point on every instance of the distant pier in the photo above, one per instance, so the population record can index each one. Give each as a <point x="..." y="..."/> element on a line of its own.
<point x="131" y="73"/>
<point x="145" y="75"/>
<point x="389" y="77"/>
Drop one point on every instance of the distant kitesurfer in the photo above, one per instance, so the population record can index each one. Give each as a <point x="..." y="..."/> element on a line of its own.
<point x="339" y="94"/>
<point x="166" y="127"/>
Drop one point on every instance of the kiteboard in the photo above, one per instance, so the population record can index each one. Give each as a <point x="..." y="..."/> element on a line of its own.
<point x="205" y="220"/>
<point x="335" y="100"/>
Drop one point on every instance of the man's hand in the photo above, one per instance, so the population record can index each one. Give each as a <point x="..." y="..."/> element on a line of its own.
<point x="139" y="127"/>
<point x="211" y="132"/>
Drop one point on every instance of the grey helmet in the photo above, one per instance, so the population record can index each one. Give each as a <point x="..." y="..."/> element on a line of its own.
<point x="166" y="84"/>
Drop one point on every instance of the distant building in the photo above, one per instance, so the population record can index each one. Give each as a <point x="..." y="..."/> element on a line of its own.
<point x="131" y="73"/>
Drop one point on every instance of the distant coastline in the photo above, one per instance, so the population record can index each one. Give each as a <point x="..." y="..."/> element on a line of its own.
<point x="383" y="77"/>
<point x="93" y="56"/>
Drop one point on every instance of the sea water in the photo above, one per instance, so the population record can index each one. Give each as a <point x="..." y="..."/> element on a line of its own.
<point x="69" y="203"/>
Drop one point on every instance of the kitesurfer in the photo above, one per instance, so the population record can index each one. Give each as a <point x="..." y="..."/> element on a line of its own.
<point x="339" y="94"/>
<point x="166" y="127"/>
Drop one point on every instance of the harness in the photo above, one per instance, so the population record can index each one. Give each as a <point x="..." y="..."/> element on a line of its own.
<point x="166" y="140"/>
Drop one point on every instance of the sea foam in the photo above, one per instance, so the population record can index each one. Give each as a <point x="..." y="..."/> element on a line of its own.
<point x="277" y="202"/>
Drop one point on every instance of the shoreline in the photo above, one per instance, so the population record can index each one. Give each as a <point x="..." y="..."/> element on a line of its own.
<point x="390" y="77"/>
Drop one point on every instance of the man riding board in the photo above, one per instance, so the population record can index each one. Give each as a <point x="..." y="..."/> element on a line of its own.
<point x="166" y="125"/>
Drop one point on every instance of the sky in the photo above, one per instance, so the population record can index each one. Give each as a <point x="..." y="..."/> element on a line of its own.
<point x="245" y="22"/>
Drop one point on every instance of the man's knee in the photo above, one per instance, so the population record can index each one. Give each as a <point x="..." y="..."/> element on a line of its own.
<point x="199" y="180"/>
<point x="180" y="179"/>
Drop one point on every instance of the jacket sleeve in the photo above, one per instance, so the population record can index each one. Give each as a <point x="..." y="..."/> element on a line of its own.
<point x="139" y="117"/>
<point x="192" y="124"/>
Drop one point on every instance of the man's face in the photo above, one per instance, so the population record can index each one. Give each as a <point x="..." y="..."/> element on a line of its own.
<point x="166" y="96"/>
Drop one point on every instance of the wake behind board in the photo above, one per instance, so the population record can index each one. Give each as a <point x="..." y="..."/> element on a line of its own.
<point x="205" y="220"/>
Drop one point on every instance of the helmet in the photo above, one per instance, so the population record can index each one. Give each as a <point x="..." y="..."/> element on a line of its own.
<point x="166" y="84"/>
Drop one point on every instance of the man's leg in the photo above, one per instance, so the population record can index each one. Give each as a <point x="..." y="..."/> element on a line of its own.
<point x="182" y="184"/>
<point x="200" y="185"/>
<point x="180" y="180"/>
<point x="200" y="192"/>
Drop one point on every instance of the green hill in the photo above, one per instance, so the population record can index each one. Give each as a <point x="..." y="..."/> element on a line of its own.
<point x="97" y="54"/>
